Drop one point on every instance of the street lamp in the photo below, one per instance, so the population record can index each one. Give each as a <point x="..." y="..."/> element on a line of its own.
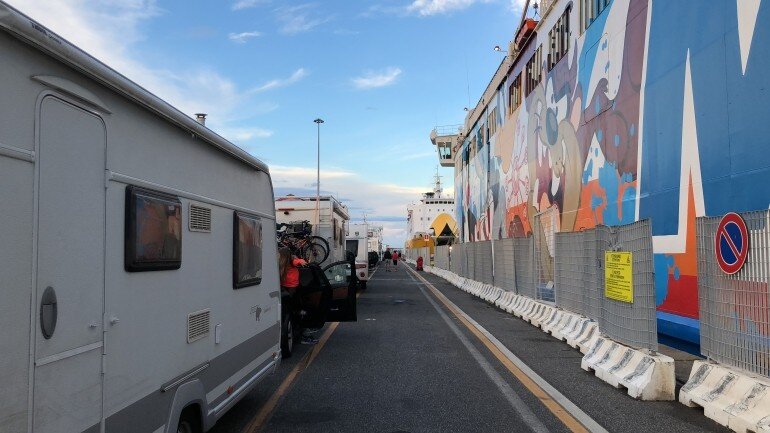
<point x="318" y="122"/>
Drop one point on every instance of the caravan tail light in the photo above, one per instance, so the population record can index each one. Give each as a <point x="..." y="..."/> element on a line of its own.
<point x="362" y="274"/>
<point x="360" y="265"/>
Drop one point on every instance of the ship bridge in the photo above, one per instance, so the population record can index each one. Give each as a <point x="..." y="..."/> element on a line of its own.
<point x="446" y="138"/>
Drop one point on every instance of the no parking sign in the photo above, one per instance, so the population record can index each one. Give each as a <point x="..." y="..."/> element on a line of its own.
<point x="731" y="243"/>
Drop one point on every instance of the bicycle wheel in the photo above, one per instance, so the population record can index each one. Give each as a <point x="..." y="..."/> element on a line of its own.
<point x="316" y="251"/>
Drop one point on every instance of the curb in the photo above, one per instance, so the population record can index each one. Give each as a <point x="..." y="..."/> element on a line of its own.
<point x="645" y="376"/>
<point x="731" y="398"/>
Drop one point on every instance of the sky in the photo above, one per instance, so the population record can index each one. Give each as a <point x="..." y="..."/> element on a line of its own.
<point x="380" y="73"/>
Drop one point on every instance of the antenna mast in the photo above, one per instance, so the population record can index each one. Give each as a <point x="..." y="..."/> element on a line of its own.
<point x="437" y="189"/>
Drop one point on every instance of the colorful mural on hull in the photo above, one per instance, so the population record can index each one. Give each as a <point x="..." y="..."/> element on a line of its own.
<point x="657" y="111"/>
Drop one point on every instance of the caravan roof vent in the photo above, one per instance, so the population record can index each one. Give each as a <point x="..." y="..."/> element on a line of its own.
<point x="198" y="324"/>
<point x="200" y="218"/>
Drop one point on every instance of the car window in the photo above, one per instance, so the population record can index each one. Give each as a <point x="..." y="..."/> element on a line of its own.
<point x="338" y="273"/>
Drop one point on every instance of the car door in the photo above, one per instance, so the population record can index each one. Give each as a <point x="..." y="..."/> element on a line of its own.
<point x="342" y="306"/>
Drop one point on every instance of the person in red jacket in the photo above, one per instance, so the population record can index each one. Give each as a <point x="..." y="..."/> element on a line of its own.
<point x="288" y="269"/>
<point x="395" y="258"/>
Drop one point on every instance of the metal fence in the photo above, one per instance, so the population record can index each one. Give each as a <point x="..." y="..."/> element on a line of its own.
<point x="575" y="273"/>
<point x="581" y="283"/>
<point x="483" y="262"/>
<point x="735" y="309"/>
<point x="634" y="323"/>
<point x="523" y="267"/>
<point x="505" y="275"/>
<point x="441" y="257"/>
<point x="470" y="261"/>
<point x="546" y="225"/>
<point x="457" y="258"/>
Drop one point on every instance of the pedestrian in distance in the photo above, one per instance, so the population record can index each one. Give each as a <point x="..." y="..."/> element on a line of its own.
<point x="387" y="257"/>
<point x="395" y="256"/>
<point x="288" y="265"/>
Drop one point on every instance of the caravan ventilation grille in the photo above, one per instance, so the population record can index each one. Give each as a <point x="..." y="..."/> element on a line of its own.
<point x="200" y="218"/>
<point x="198" y="325"/>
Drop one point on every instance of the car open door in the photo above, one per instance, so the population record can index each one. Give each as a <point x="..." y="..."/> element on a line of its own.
<point x="342" y="306"/>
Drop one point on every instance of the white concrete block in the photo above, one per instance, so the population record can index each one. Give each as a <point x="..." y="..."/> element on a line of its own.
<point x="645" y="376"/>
<point x="544" y="315"/>
<point x="567" y="326"/>
<point x="730" y="397"/>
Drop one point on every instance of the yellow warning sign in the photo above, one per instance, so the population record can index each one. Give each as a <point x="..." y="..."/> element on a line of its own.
<point x="618" y="276"/>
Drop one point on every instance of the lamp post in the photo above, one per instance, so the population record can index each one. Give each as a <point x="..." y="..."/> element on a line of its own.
<point x="318" y="123"/>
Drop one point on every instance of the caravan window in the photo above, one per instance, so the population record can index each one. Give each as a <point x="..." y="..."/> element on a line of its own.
<point x="247" y="250"/>
<point x="153" y="236"/>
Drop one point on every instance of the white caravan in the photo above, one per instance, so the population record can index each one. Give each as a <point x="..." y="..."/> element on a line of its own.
<point x="357" y="242"/>
<point x="333" y="220"/>
<point x="139" y="288"/>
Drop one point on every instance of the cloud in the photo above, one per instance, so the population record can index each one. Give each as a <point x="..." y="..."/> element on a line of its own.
<point x="246" y="4"/>
<point x="301" y="176"/>
<point x="241" y="38"/>
<point x="282" y="82"/>
<point x="346" y="32"/>
<point x="418" y="156"/>
<point x="382" y="201"/>
<point x="299" y="19"/>
<point x="436" y="7"/>
<point x="376" y="79"/>
<point x="240" y="135"/>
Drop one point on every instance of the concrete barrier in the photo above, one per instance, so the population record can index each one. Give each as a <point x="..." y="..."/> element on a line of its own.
<point x="567" y="324"/>
<point x="729" y="397"/>
<point x="545" y="314"/>
<point x="645" y="376"/>
<point x="514" y="301"/>
<point x="525" y="306"/>
<point x="504" y="299"/>
<point x="583" y="328"/>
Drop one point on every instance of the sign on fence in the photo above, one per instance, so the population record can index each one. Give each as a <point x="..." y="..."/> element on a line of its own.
<point x="618" y="276"/>
<point x="731" y="243"/>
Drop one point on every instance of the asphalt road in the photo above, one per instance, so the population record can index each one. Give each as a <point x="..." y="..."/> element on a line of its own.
<point x="410" y="365"/>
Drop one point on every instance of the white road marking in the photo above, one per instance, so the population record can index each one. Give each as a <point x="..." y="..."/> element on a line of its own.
<point x="557" y="396"/>
<point x="513" y="398"/>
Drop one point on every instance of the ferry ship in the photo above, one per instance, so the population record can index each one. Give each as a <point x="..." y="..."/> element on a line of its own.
<point x="429" y="221"/>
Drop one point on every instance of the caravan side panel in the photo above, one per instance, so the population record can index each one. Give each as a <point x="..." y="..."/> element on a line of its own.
<point x="16" y="210"/>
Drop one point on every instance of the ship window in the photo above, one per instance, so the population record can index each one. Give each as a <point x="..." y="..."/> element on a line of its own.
<point x="247" y="250"/>
<point x="534" y="70"/>
<point x="153" y="233"/>
<point x="514" y="94"/>
<point x="559" y="39"/>
<point x="491" y="123"/>
<point x="589" y="10"/>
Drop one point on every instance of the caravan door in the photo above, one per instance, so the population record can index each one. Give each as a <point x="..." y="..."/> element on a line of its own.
<point x="70" y="269"/>
<point x="342" y="307"/>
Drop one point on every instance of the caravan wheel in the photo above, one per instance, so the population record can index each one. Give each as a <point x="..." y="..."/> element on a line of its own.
<point x="189" y="421"/>
<point x="287" y="336"/>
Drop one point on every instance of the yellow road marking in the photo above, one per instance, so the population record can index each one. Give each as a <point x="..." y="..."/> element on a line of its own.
<point x="260" y="420"/>
<point x="557" y="409"/>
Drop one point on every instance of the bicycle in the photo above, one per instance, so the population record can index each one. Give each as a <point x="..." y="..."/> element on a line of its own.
<point x="297" y="237"/>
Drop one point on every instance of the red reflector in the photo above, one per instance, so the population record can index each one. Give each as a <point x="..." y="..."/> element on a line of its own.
<point x="363" y="274"/>
<point x="230" y="390"/>
<point x="360" y="266"/>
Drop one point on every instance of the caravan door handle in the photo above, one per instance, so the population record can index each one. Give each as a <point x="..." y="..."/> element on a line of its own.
<point x="49" y="312"/>
<point x="114" y="320"/>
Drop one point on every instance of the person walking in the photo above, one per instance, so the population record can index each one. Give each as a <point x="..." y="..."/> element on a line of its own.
<point x="395" y="257"/>
<point x="387" y="257"/>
